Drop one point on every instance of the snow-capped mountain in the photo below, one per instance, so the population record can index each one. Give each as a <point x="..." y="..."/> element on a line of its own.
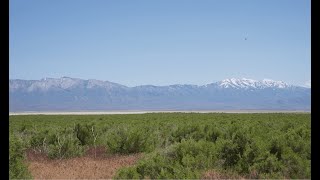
<point x="250" y="83"/>
<point x="77" y="94"/>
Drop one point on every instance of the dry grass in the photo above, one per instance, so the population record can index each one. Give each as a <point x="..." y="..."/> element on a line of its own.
<point x="86" y="167"/>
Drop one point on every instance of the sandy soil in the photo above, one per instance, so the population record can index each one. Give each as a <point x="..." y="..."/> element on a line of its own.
<point x="143" y="112"/>
<point x="87" y="167"/>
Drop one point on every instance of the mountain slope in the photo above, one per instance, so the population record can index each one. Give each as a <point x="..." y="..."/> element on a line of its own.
<point x="65" y="94"/>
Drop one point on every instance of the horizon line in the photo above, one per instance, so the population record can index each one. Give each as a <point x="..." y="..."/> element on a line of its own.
<point x="242" y="78"/>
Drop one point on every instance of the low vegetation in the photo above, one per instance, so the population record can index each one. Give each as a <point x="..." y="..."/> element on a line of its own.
<point x="176" y="145"/>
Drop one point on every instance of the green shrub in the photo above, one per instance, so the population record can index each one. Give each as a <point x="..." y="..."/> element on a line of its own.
<point x="64" y="145"/>
<point x="229" y="153"/>
<point x="267" y="164"/>
<point x="212" y="133"/>
<point x="17" y="167"/>
<point x="248" y="158"/>
<point x="188" y="131"/>
<point x="197" y="155"/>
<point x="183" y="160"/>
<point x="299" y="141"/>
<point x="130" y="140"/>
<point x="232" y="150"/>
<point x="276" y="147"/>
<point x="38" y="139"/>
<point x="296" y="167"/>
<point x="83" y="133"/>
<point x="128" y="173"/>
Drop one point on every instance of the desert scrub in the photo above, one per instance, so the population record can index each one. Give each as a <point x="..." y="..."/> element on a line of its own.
<point x="182" y="160"/>
<point x="57" y="143"/>
<point x="177" y="145"/>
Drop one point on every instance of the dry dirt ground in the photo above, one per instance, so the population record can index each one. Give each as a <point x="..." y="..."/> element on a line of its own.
<point x="87" y="167"/>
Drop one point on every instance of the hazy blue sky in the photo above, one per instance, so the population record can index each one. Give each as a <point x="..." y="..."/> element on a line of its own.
<point x="161" y="42"/>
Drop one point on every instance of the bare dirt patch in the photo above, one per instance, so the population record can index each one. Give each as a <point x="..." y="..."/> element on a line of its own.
<point x="87" y="167"/>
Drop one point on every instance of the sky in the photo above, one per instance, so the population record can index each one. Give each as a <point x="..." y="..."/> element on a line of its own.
<point x="160" y="42"/>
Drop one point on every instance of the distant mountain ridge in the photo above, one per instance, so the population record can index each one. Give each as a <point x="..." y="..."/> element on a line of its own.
<point x="65" y="94"/>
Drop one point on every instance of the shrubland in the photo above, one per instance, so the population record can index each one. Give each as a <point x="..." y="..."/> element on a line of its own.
<point x="175" y="145"/>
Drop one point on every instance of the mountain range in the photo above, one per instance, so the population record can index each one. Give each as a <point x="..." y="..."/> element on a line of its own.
<point x="73" y="94"/>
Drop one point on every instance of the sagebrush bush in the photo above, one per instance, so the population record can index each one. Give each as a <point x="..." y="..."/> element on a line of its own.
<point x="65" y="147"/>
<point x="58" y="143"/>
<point x="212" y="133"/>
<point x="84" y="134"/>
<point x="17" y="163"/>
<point x="130" y="140"/>
<point x="267" y="164"/>
<point x="188" y="131"/>
<point x="181" y="160"/>
<point x="249" y="157"/>
<point x="296" y="166"/>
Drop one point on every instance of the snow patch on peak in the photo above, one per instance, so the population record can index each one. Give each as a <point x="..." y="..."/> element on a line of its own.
<point x="245" y="83"/>
<point x="95" y="83"/>
<point x="238" y="83"/>
<point x="67" y="82"/>
<point x="272" y="83"/>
